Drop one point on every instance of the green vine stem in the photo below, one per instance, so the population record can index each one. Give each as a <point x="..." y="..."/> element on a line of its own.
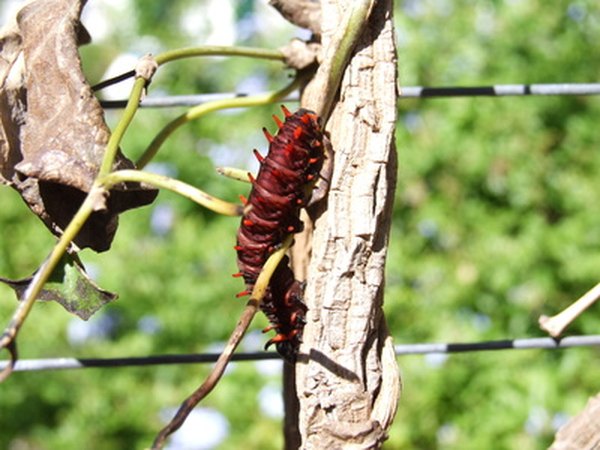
<point x="173" y="55"/>
<point x="185" y="190"/>
<point x="327" y="81"/>
<point x="262" y="282"/>
<point x="115" y="138"/>
<point x="216" y="50"/>
<point x="93" y="201"/>
<point x="200" y="110"/>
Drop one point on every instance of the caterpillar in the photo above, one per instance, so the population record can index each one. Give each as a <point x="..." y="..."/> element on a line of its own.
<point x="282" y="187"/>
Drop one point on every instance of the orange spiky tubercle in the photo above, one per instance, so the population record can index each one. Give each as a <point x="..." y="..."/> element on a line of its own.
<point x="281" y="188"/>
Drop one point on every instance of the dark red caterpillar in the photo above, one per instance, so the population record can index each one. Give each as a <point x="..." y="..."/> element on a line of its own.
<point x="282" y="187"/>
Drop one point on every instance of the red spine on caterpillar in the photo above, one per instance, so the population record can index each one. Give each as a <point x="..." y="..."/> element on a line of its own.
<point x="282" y="187"/>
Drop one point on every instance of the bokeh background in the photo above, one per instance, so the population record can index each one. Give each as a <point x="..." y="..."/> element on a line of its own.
<point x="495" y="223"/>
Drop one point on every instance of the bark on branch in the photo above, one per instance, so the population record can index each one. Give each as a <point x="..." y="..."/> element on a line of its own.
<point x="583" y="431"/>
<point x="347" y="378"/>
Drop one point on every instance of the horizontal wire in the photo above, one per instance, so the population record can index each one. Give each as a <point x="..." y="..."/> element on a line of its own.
<point x="176" y="100"/>
<point x="31" y="365"/>
<point x="498" y="90"/>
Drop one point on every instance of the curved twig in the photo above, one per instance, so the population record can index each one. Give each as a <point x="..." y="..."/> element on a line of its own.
<point x="216" y="50"/>
<point x="191" y="52"/>
<point x="212" y="379"/>
<point x="205" y="108"/>
<point x="556" y="324"/>
<point x="185" y="190"/>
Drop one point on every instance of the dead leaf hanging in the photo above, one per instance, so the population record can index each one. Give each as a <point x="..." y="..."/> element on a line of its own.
<point x="52" y="129"/>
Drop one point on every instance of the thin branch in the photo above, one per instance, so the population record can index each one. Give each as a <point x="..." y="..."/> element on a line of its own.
<point x="217" y="50"/>
<point x="95" y="200"/>
<point x="555" y="325"/>
<point x="213" y="378"/>
<point x="114" y="80"/>
<point x="8" y="339"/>
<point x="115" y="138"/>
<point x="258" y="292"/>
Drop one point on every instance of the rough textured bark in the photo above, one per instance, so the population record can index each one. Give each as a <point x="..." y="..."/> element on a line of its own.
<point x="347" y="378"/>
<point x="583" y="431"/>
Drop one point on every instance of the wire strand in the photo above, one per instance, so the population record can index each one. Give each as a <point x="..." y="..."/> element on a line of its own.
<point x="35" y="365"/>
<point x="498" y="90"/>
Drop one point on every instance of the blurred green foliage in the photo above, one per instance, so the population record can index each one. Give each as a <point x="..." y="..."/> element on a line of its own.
<point x="494" y="225"/>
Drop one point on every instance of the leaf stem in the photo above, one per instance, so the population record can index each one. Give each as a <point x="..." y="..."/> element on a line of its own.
<point x="185" y="190"/>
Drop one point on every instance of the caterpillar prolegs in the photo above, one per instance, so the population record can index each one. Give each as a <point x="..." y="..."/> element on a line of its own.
<point x="281" y="189"/>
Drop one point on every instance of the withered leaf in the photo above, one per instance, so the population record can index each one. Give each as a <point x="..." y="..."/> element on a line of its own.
<point x="52" y="128"/>
<point x="70" y="286"/>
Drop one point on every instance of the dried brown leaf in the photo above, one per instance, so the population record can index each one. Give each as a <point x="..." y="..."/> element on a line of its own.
<point x="52" y="129"/>
<point x="304" y="13"/>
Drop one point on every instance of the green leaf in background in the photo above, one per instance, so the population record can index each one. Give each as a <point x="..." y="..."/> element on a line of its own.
<point x="70" y="286"/>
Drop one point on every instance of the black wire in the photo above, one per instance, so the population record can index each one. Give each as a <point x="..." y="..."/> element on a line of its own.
<point x="31" y="365"/>
<point x="499" y="90"/>
<point x="114" y="80"/>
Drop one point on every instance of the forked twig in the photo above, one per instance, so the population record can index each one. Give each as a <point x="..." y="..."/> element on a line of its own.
<point x="556" y="324"/>
<point x="215" y="375"/>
